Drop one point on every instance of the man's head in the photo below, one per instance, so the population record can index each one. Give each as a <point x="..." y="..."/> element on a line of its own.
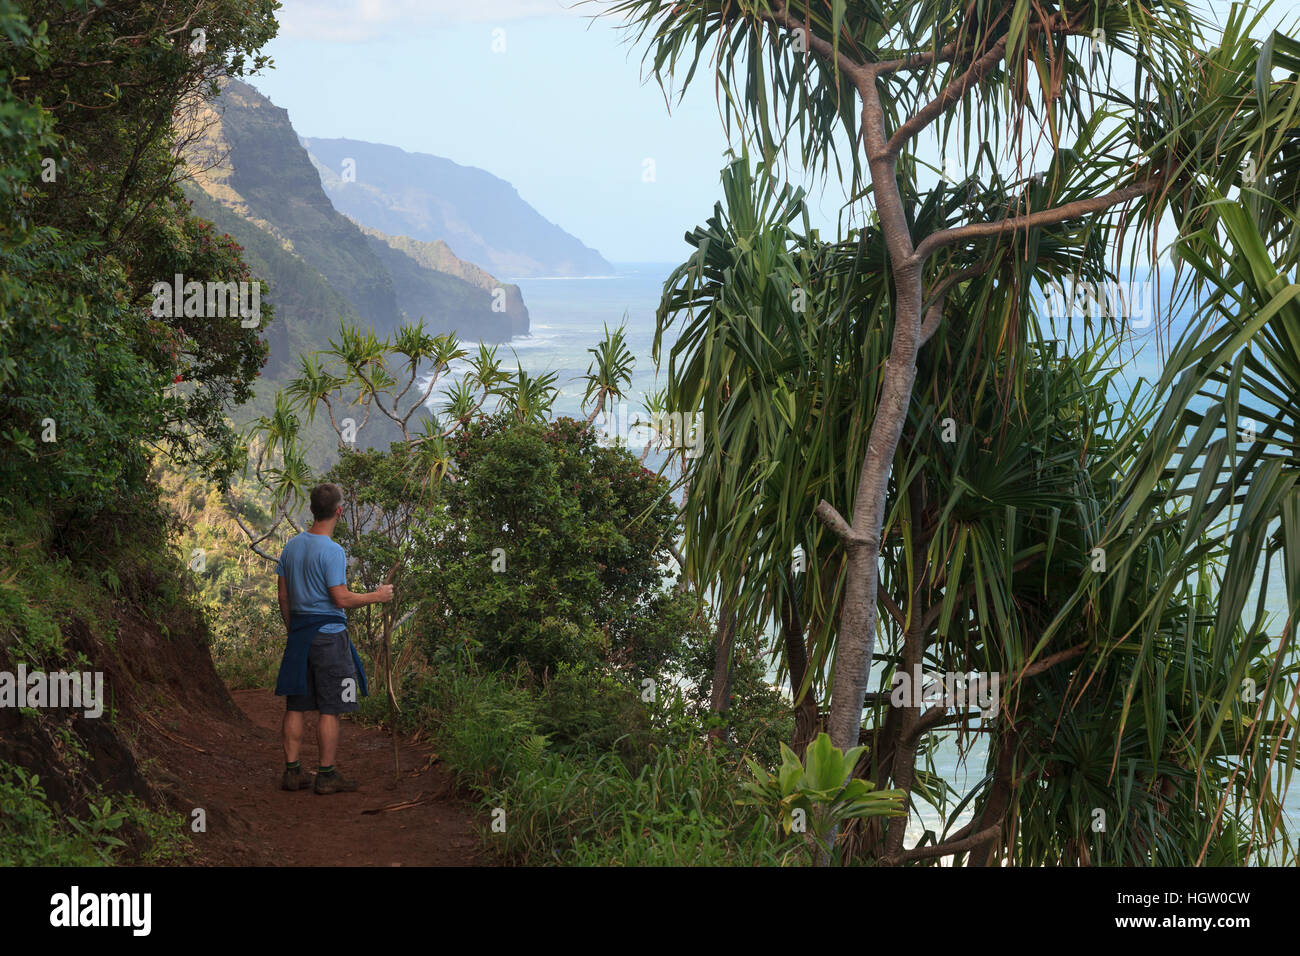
<point x="325" y="501"/>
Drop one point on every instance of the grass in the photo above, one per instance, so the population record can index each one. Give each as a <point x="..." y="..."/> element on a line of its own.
<point x="672" y="804"/>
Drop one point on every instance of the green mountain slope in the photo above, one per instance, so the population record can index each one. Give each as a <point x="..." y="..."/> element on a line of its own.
<point x="254" y="180"/>
<point x="307" y="308"/>
<point x="425" y="272"/>
<point x="252" y="153"/>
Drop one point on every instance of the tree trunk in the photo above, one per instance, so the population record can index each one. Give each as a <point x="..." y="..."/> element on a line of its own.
<point x="995" y="807"/>
<point x="720" y="696"/>
<point x="855" y="641"/>
<point x="806" y="715"/>
<point x="904" y="746"/>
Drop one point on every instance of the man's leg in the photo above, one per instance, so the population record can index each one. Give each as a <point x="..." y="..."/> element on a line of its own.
<point x="335" y="687"/>
<point x="327" y="735"/>
<point x="292" y="734"/>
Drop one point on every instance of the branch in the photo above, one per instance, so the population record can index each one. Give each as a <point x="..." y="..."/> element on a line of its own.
<point x="952" y="93"/>
<point x="1048" y="662"/>
<point x="376" y="399"/>
<point x="415" y="371"/>
<point x="936" y="716"/>
<point x="953" y="846"/>
<point x="856" y="71"/>
<point x="894" y="610"/>
<point x="835" y="521"/>
<point x="1044" y="217"/>
<point x="253" y="542"/>
<point x="599" y="406"/>
<point x="677" y="556"/>
<point x="423" y="398"/>
<point x="939" y="295"/>
<point x="913" y="61"/>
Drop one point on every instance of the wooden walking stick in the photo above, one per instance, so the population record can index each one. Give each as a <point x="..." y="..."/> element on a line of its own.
<point x="386" y="647"/>
<point x="388" y="676"/>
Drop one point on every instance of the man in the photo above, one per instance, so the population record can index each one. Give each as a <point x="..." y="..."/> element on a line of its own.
<point x="320" y="670"/>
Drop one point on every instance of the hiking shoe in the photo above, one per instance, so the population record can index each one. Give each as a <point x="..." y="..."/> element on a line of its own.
<point x="296" y="780"/>
<point x="334" y="782"/>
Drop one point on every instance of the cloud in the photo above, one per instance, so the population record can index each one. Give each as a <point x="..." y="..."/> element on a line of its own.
<point x="347" y="21"/>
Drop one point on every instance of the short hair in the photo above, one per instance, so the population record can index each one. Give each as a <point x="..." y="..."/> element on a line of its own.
<point x="325" y="500"/>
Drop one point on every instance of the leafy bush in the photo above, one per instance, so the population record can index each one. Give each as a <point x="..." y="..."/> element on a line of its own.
<point x="479" y="719"/>
<point x="33" y="835"/>
<point x="551" y="553"/>
<point x="28" y="635"/>
<point x="579" y="793"/>
<point x="247" y="642"/>
<point x="679" y="810"/>
<point x="585" y="711"/>
<point x="758" y="717"/>
<point x="88" y="376"/>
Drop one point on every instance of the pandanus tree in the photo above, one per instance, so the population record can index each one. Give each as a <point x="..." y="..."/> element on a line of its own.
<point x="1007" y="461"/>
<point x="610" y="373"/>
<point x="1058" y="115"/>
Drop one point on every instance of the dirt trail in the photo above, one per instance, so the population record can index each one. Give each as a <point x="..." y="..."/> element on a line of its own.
<point x="232" y="771"/>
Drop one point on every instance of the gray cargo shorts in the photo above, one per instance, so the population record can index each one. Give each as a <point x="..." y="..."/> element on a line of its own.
<point x="329" y="665"/>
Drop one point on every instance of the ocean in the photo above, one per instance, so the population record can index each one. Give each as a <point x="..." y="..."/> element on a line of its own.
<point x="568" y="316"/>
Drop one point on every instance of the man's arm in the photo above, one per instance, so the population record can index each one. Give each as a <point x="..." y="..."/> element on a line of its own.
<point x="283" y="587"/>
<point x="345" y="599"/>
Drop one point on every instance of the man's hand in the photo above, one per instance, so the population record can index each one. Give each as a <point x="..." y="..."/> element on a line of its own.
<point x="383" y="594"/>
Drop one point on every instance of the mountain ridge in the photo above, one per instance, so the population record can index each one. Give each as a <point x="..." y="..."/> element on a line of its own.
<point x="251" y="176"/>
<point x="429" y="198"/>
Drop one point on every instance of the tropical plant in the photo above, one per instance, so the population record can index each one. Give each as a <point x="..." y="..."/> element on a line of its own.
<point x="1000" y="74"/>
<point x="549" y="553"/>
<point x="91" y="218"/>
<point x="1221" y="462"/>
<point x="1008" y="459"/>
<point x="818" y="793"/>
<point x="610" y="371"/>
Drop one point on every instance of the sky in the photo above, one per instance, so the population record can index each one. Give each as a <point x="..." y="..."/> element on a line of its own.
<point x="542" y="93"/>
<point x="558" y="108"/>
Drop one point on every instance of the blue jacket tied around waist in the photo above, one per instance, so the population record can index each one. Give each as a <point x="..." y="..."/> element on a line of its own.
<point x="303" y="628"/>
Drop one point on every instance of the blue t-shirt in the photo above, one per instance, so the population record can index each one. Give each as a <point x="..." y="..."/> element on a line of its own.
<point x="311" y="564"/>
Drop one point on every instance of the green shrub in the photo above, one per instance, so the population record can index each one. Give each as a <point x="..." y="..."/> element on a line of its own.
<point x="27" y="634"/>
<point x="585" y="711"/>
<point x="247" y="643"/>
<point x="551" y="551"/>
<point x="166" y="837"/>
<point x="479" y="719"/>
<point x="576" y="769"/>
<point x="34" y="833"/>
<point x="31" y="834"/>
<point x="758" y="718"/>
